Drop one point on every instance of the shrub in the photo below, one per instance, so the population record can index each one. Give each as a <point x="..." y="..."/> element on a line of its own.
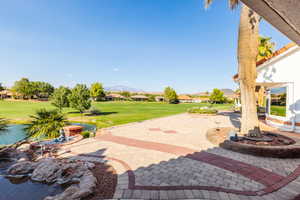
<point x="46" y="123"/>
<point x="85" y="134"/>
<point x="202" y="110"/>
<point x="94" y="111"/>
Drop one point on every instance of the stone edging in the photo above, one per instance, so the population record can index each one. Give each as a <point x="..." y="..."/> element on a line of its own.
<point x="288" y="151"/>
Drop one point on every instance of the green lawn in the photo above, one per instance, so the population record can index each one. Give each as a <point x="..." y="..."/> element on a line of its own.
<point x="113" y="113"/>
<point x="278" y="110"/>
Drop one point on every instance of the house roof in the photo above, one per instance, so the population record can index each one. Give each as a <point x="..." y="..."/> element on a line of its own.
<point x="184" y="97"/>
<point x="115" y="96"/>
<point x="139" y="97"/>
<point x="275" y="54"/>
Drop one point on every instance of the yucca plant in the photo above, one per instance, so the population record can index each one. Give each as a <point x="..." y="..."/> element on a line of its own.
<point x="3" y="124"/>
<point x="46" y="123"/>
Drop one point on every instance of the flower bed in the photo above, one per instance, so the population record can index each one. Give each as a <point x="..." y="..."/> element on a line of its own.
<point x="202" y="110"/>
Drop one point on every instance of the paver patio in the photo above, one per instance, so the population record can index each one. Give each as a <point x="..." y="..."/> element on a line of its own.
<point x="170" y="158"/>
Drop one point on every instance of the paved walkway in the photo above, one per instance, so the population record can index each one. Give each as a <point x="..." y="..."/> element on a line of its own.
<point x="170" y="158"/>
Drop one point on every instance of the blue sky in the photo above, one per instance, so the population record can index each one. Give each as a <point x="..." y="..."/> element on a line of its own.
<point x="146" y="44"/>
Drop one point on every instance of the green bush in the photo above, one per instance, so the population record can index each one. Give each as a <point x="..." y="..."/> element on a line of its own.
<point x="202" y="110"/>
<point x="85" y="134"/>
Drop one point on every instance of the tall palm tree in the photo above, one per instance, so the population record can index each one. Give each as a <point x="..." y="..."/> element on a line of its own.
<point x="46" y="123"/>
<point x="247" y="54"/>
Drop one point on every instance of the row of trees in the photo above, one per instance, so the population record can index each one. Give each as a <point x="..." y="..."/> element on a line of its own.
<point x="28" y="89"/>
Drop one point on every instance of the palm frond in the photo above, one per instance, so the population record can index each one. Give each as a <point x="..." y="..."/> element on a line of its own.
<point x="46" y="124"/>
<point x="233" y="4"/>
<point x="207" y="3"/>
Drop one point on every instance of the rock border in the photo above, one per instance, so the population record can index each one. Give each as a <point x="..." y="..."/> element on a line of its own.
<point x="288" y="151"/>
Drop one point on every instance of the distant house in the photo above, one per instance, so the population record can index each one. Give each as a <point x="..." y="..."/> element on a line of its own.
<point x="159" y="98"/>
<point x="114" y="97"/>
<point x="139" y="98"/>
<point x="6" y="94"/>
<point x="185" y="99"/>
<point x="278" y="87"/>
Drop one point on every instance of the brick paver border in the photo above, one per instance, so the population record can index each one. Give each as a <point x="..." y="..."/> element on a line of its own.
<point x="271" y="180"/>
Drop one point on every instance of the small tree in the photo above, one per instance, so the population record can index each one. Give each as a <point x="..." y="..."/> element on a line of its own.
<point x="24" y="87"/>
<point x="80" y="98"/>
<point x="42" y="89"/>
<point x="46" y="123"/>
<point x="171" y="95"/>
<point x="60" y="97"/>
<point x="97" y="91"/>
<point x="217" y="96"/>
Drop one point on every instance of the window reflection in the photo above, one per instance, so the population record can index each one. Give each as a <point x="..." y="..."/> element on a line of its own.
<point x="278" y="101"/>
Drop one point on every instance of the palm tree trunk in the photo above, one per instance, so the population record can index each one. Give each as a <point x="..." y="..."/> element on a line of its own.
<point x="247" y="53"/>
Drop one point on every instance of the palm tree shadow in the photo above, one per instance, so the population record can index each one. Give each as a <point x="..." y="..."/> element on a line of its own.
<point x="235" y="118"/>
<point x="100" y="114"/>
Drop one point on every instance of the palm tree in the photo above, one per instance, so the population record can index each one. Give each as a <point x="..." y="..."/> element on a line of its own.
<point x="3" y="124"/>
<point x="46" y="123"/>
<point x="265" y="48"/>
<point x="247" y="54"/>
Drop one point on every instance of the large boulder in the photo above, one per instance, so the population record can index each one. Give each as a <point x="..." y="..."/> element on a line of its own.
<point x="79" y="191"/>
<point x="67" y="194"/>
<point x="47" y="170"/>
<point x="22" y="168"/>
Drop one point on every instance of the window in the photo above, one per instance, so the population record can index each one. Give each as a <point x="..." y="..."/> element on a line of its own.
<point x="278" y="101"/>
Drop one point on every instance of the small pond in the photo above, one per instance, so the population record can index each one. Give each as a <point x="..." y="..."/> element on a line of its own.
<point x="23" y="189"/>
<point x="20" y="189"/>
<point x="16" y="133"/>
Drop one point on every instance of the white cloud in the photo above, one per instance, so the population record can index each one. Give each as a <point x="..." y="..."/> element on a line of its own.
<point x="116" y="69"/>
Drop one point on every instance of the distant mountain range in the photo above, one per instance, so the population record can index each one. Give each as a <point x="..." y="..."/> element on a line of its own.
<point x="122" y="88"/>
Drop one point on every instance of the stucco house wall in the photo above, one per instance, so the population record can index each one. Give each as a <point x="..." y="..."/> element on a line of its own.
<point x="284" y="69"/>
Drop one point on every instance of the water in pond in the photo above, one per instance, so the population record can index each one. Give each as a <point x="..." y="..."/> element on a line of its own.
<point x="16" y="133"/>
<point x="23" y="189"/>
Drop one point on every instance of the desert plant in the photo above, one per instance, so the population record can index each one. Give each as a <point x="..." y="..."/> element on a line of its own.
<point x="46" y="123"/>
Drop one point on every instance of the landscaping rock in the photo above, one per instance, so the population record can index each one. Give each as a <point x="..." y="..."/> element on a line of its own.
<point x="86" y="186"/>
<point x="47" y="171"/>
<point x="67" y="194"/>
<point x="89" y="165"/>
<point x="50" y="170"/>
<point x="22" y="168"/>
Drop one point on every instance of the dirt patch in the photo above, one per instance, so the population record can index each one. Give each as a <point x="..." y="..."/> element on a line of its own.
<point x="107" y="182"/>
<point x="218" y="135"/>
